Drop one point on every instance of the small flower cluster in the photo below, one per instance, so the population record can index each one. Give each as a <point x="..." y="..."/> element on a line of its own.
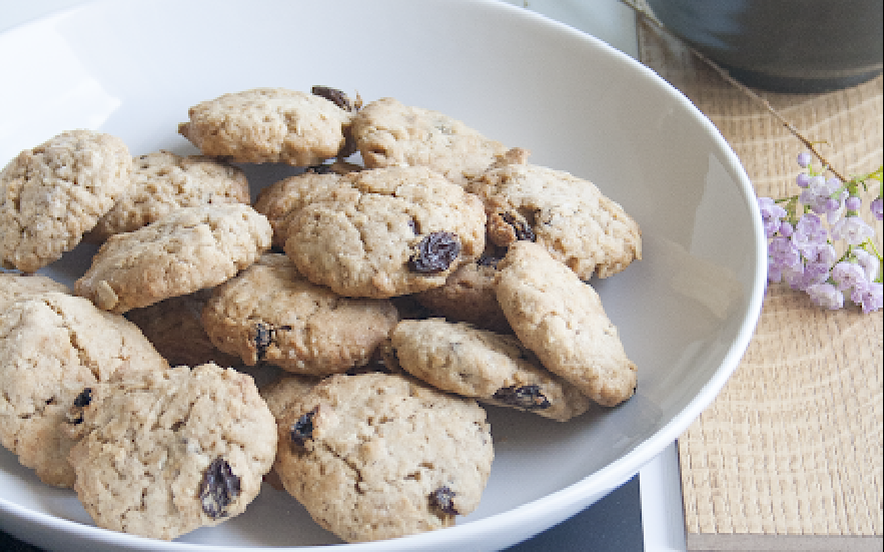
<point x="802" y="232"/>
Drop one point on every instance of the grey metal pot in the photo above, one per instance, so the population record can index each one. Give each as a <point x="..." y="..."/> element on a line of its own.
<point x="783" y="45"/>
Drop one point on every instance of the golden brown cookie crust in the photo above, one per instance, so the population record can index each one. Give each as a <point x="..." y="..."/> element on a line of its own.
<point x="284" y="198"/>
<point x="562" y="320"/>
<point x="494" y="368"/>
<point x="205" y="441"/>
<point x="569" y="216"/>
<point x="164" y="181"/>
<point x="363" y="237"/>
<point x="468" y="295"/>
<point x="14" y="286"/>
<point x="52" y="194"/>
<point x="270" y="313"/>
<point x="186" y="250"/>
<point x="175" y="327"/>
<point x="53" y="345"/>
<point x="268" y="125"/>
<point x="389" y="133"/>
<point x="378" y="456"/>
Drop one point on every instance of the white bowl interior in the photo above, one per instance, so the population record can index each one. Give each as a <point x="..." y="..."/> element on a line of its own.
<point x="685" y="312"/>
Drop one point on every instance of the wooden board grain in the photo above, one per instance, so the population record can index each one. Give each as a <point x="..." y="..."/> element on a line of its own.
<point x="789" y="456"/>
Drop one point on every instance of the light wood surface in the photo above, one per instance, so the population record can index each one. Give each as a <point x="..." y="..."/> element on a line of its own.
<point x="789" y="456"/>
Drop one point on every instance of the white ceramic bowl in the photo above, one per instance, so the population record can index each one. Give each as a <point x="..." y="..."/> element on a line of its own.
<point x="686" y="312"/>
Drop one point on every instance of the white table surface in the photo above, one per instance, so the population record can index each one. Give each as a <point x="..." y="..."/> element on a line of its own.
<point x="661" y="520"/>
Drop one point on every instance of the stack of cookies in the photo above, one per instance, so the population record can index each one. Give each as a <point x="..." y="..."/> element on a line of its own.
<point x="411" y="272"/>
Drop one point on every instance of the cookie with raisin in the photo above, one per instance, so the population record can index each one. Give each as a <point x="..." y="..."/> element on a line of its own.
<point x="269" y="125"/>
<point x="378" y="456"/>
<point x="280" y="200"/>
<point x="562" y="320"/>
<point x="52" y="346"/>
<point x="493" y="368"/>
<point x="205" y="439"/>
<point x="468" y="294"/>
<point x="163" y="181"/>
<point x="53" y="194"/>
<point x="569" y="216"/>
<point x="389" y="133"/>
<point x="386" y="232"/>
<point x="186" y="250"/>
<point x="270" y="313"/>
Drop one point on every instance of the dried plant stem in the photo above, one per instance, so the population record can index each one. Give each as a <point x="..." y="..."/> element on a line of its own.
<point x="723" y="73"/>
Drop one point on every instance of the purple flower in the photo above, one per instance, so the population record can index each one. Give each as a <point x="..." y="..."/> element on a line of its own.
<point x="853" y="203"/>
<point x="815" y="273"/>
<point x="848" y="275"/>
<point x="794" y="276"/>
<point x="804" y="159"/>
<point x="771" y="215"/>
<point x="809" y="233"/>
<point x="781" y="255"/>
<point x="852" y="230"/>
<point x="877" y="207"/>
<point x="871" y="297"/>
<point x="826" y="295"/>
<point x="786" y="229"/>
<point x="783" y="252"/>
<point x="868" y="262"/>
<point x="818" y="264"/>
<point x="774" y="271"/>
<point x="820" y="197"/>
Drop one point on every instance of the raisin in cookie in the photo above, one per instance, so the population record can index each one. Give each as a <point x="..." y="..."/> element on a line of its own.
<point x="270" y="313"/>
<point x="469" y="296"/>
<point x="562" y="320"/>
<point x="52" y="345"/>
<point x="569" y="216"/>
<point x="186" y="250"/>
<point x="175" y="327"/>
<point x="163" y="181"/>
<point x="166" y="453"/>
<point x="269" y="125"/>
<point x="279" y="201"/>
<point x="386" y="232"/>
<point x="378" y="456"/>
<point x="493" y="368"/>
<point x="389" y="133"/>
<point x="56" y="192"/>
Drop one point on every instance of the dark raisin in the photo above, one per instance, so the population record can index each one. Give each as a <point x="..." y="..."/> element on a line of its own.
<point x="320" y="169"/>
<point x="488" y="260"/>
<point x="302" y="430"/>
<point x="379" y="361"/>
<point x="337" y="97"/>
<point x="528" y="397"/>
<point x="218" y="488"/>
<point x="75" y="415"/>
<point x="263" y="337"/>
<point x="436" y="252"/>
<point x="443" y="500"/>
<point x="522" y="229"/>
<point x="84" y="398"/>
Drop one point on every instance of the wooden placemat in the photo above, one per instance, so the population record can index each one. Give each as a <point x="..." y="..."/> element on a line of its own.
<point x="789" y="456"/>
